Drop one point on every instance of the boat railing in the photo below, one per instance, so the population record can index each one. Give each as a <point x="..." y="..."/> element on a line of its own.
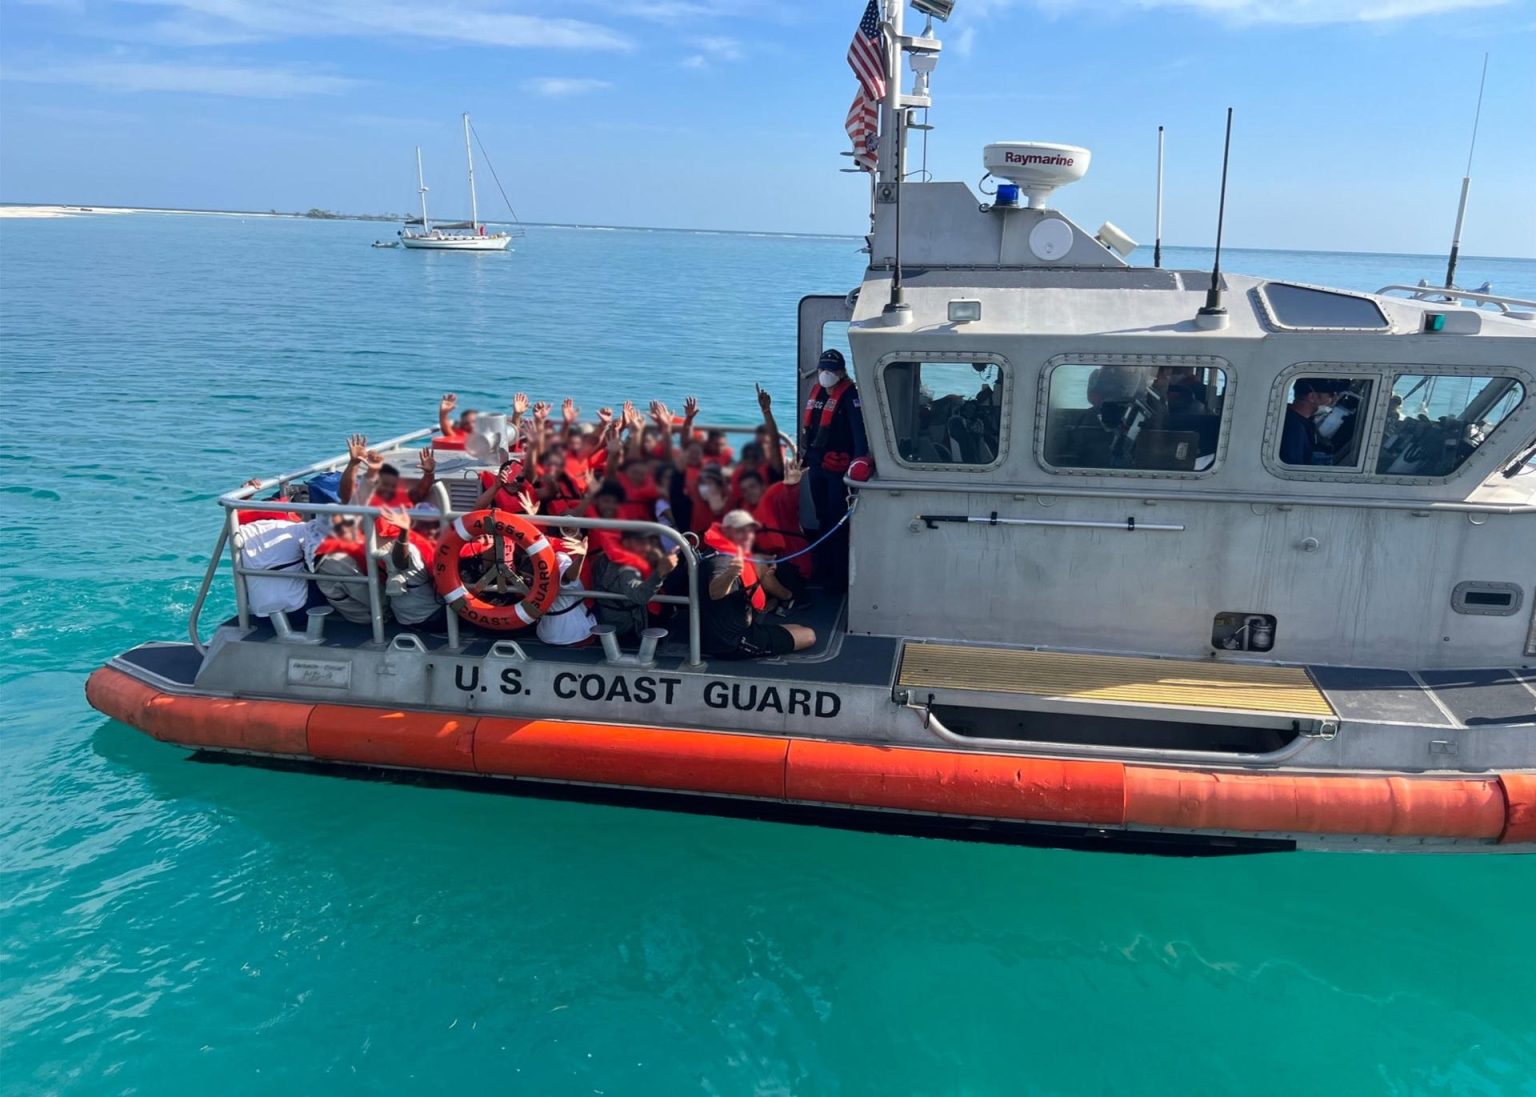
<point x="243" y="497"/>
<point x="1448" y="295"/>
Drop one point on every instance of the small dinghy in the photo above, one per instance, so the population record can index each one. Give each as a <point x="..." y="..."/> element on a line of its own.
<point x="386" y="243"/>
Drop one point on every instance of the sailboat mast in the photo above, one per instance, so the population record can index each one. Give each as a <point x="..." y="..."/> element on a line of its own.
<point x="469" y="158"/>
<point x="421" y="189"/>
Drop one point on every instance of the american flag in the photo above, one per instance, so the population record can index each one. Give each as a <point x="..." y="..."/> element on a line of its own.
<point x="866" y="57"/>
<point x="866" y="54"/>
<point x="863" y="126"/>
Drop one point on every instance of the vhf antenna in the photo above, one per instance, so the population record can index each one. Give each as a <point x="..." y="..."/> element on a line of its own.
<point x="1157" y="247"/>
<point x="1214" y="314"/>
<point x="1466" y="183"/>
<point x="898" y="307"/>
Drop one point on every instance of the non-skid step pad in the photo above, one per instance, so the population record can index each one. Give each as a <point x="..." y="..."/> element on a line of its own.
<point x="1170" y="683"/>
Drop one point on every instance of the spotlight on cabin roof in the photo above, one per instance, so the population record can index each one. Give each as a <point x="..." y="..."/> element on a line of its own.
<point x="1036" y="166"/>
<point x="938" y="9"/>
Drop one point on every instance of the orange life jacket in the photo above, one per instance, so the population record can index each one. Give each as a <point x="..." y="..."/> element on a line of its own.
<point x="716" y="539"/>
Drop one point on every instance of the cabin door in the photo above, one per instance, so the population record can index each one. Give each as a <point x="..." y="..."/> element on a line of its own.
<point x="823" y="325"/>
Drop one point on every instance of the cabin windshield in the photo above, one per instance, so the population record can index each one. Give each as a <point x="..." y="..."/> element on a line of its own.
<point x="947" y="413"/>
<point x="1435" y="422"/>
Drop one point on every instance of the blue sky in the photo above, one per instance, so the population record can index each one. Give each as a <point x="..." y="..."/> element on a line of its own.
<point x="1353" y="116"/>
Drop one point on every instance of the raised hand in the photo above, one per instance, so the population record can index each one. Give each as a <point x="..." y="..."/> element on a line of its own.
<point x="690" y="408"/>
<point x="427" y="460"/>
<point x="526" y="500"/>
<point x="449" y="401"/>
<point x="520" y="404"/>
<point x="253" y="482"/>
<point x="574" y="546"/>
<point x="631" y="416"/>
<point x="605" y="416"/>
<point x="541" y="411"/>
<point x="764" y="400"/>
<point x="569" y="411"/>
<point x="396" y="516"/>
<point x="357" y="448"/>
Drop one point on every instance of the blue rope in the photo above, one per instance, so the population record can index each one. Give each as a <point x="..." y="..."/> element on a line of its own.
<point x="812" y="546"/>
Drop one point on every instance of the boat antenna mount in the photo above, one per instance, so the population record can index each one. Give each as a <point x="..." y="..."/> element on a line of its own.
<point x="897" y="311"/>
<point x="1466" y="184"/>
<point x="1157" y="246"/>
<point x="1214" y="314"/>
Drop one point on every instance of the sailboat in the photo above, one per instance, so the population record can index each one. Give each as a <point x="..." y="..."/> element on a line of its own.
<point x="455" y="235"/>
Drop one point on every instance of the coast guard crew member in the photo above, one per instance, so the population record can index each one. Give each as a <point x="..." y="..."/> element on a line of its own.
<point x="831" y="438"/>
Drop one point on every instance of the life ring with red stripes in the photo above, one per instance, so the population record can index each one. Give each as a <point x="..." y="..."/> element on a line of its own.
<point x="509" y="532"/>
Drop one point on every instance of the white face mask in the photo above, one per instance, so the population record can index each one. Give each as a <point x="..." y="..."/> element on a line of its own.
<point x="827" y="379"/>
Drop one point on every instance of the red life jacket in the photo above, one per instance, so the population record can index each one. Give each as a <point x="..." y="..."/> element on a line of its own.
<point x="779" y="512"/>
<point x="246" y="516"/>
<point x="357" y="550"/>
<point x="716" y="539"/>
<point x="813" y="427"/>
<point x="400" y="500"/>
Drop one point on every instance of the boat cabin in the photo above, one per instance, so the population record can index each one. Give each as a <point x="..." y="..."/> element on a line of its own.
<point x="1070" y="455"/>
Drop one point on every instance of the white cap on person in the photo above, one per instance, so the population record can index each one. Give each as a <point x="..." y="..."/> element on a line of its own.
<point x="739" y="519"/>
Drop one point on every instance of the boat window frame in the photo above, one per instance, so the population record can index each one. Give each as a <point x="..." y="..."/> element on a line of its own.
<point x="1274" y="323"/>
<point x="1006" y="375"/>
<point x="1385" y="375"/>
<point x="1395" y="372"/>
<point x="1080" y="358"/>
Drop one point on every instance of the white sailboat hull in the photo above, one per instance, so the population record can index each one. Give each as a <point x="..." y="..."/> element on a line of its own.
<point x="492" y="242"/>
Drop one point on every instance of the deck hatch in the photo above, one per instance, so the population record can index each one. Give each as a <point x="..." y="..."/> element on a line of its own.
<point x="1115" y="680"/>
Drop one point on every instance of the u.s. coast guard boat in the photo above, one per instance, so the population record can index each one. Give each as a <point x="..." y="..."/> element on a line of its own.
<point x="1152" y="558"/>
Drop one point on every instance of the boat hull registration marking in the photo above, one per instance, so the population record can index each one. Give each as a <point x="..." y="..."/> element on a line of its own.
<point x="655" y="689"/>
<point x="330" y="673"/>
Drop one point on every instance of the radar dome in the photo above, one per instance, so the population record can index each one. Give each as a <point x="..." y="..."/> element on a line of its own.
<point x="1036" y="166"/>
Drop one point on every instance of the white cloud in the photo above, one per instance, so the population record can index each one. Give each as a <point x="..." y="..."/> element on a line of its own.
<point x="559" y="87"/>
<point x="712" y="50"/>
<point x="160" y="76"/>
<point x="1300" y="12"/>
<point x="466" y="22"/>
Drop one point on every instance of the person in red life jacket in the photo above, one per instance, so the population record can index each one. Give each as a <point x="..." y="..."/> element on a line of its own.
<point x="778" y="512"/>
<point x="556" y="490"/>
<point x="731" y="617"/>
<point x="406" y="562"/>
<point x="454" y="430"/>
<point x="270" y="514"/>
<point x="716" y="449"/>
<point x="831" y="436"/>
<point x="640" y="491"/>
<point x="633" y="565"/>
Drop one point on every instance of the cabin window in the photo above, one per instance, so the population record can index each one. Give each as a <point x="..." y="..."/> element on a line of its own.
<point x="949" y="412"/>
<point x="1434" y="422"/>
<point x="1310" y="309"/>
<point x="1322" y="424"/>
<point x="1142" y="418"/>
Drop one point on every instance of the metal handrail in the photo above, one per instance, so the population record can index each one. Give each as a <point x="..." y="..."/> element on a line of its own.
<point x="1430" y="293"/>
<point x="232" y="505"/>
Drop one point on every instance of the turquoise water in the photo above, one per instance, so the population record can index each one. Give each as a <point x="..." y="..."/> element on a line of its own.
<point x="175" y="927"/>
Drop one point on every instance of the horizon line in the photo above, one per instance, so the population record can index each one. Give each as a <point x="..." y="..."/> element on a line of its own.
<point x="380" y="218"/>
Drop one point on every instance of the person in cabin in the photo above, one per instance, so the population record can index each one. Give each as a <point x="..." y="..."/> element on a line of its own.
<point x="832" y="436"/>
<point x="737" y="594"/>
<point x="632" y="564"/>
<point x="454" y="430"/>
<point x="1298" y="439"/>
